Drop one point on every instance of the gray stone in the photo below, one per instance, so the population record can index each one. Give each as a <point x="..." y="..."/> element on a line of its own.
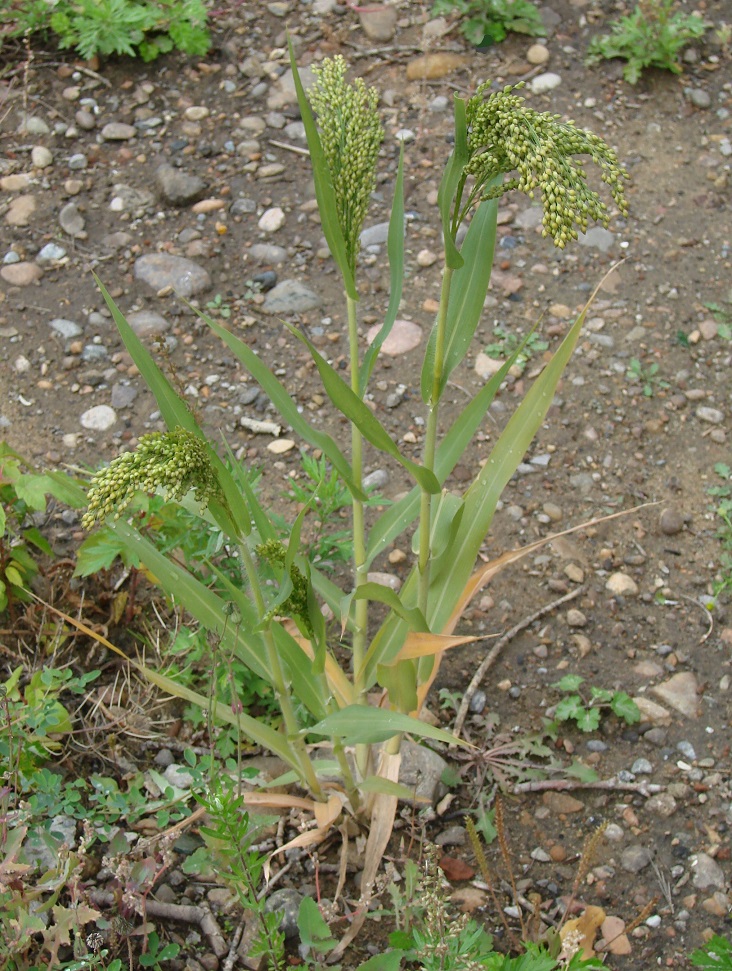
<point x="147" y="323"/>
<point x="641" y="767"/>
<point x="178" y="188"/>
<point x="33" y="126"/>
<point x="100" y="418"/>
<point x="599" y="238"/>
<point x="268" y="253"/>
<point x="178" y="775"/>
<point x="687" y="750"/>
<point x="41" y="157"/>
<point x="635" y="858"/>
<point x="85" y="119"/>
<point x="452" y="836"/>
<point x="118" y="131"/>
<point x="41" y="847"/>
<point x="378" y="22"/>
<point x="698" y="97"/>
<point x="271" y="220"/>
<point x="51" y="252"/>
<point x="71" y="220"/>
<point x="67" y="329"/>
<point x="374" y="235"/>
<point x="160" y="270"/>
<point x="285" y="902"/>
<point x="11" y="257"/>
<point x="126" y="198"/>
<point x="123" y="395"/>
<point x="478" y="702"/>
<point x="78" y="162"/>
<point x="662" y="804"/>
<point x="291" y="297"/>
<point x="708" y="874"/>
<point x="94" y="352"/>
<point x="421" y="772"/>
<point x="713" y="415"/>
<point x="671" y="521"/>
<point x="530" y="218"/>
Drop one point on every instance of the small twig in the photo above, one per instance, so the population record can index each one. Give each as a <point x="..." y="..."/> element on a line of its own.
<point x="706" y="610"/>
<point x="298" y="149"/>
<point x="200" y="915"/>
<point x="232" y="955"/>
<point x="566" y="785"/>
<point x="492" y="655"/>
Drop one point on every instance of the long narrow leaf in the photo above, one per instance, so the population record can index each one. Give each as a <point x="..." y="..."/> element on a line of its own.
<point x="359" y="724"/>
<point x="324" y="191"/>
<point x="286" y="407"/>
<point x="350" y="405"/>
<point x="395" y="249"/>
<point x="450" y="181"/>
<point x="382" y="594"/>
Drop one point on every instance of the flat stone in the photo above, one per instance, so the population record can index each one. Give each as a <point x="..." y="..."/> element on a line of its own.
<point x="290" y="297"/>
<point x="15" y="183"/>
<point x="680" y="692"/>
<point x="178" y="188"/>
<point x="707" y="873"/>
<point x="197" y="112"/>
<point x="543" y="83"/>
<point x="271" y="220"/>
<point x="429" y="67"/>
<point x="118" y="131"/>
<point x="21" y="274"/>
<point x="161" y="270"/>
<point x="30" y="125"/>
<point x="147" y="323"/>
<point x="598" y="238"/>
<point x="374" y="235"/>
<point x="712" y="415"/>
<point x="21" y="210"/>
<point x="67" y="329"/>
<point x="285" y="902"/>
<point x="378" y="23"/>
<point x="127" y="198"/>
<point x="635" y="858"/>
<point x="651" y="712"/>
<point x="280" y="446"/>
<point x="71" y="220"/>
<point x="698" y="97"/>
<point x="123" y="395"/>
<point x="85" y="119"/>
<point x="530" y="218"/>
<point x="562" y="802"/>
<point x="485" y="366"/>
<point x="404" y="336"/>
<point x="612" y="931"/>
<point x="50" y="253"/>
<point x="621" y="585"/>
<point x="268" y="253"/>
<point x="100" y="418"/>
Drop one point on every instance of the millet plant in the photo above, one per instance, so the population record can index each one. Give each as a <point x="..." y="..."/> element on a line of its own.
<point x="275" y="618"/>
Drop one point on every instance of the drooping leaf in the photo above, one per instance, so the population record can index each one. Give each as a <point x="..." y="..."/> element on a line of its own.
<point x="358" y="724"/>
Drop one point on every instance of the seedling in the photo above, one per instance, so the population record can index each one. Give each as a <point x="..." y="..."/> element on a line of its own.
<point x="723" y="511"/>
<point x="217" y="307"/>
<point x="646" y="377"/>
<point x="509" y="344"/>
<point x="586" y="712"/>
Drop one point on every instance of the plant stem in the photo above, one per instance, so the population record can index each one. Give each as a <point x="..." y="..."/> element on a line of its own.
<point x="359" y="529"/>
<point x="430" y="442"/>
<point x="303" y="761"/>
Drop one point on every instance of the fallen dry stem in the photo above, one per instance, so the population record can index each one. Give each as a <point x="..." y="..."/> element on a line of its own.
<point x="189" y="914"/>
<point x="646" y="789"/>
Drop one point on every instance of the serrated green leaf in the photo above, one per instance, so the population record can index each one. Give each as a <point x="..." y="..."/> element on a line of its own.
<point x="624" y="707"/>
<point x="570" y="682"/>
<point x="569" y="707"/>
<point x="588" y="720"/>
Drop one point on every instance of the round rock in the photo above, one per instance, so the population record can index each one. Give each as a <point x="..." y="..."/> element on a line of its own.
<point x="41" y="157"/>
<point x="118" y="131"/>
<point x="544" y="83"/>
<point x="21" y="274"/>
<point x="671" y="521"/>
<point x="290" y="297"/>
<point x="285" y="902"/>
<point x="100" y="418"/>
<point x="621" y="585"/>
<point x="272" y="220"/>
<point x="537" y="54"/>
<point x="147" y="323"/>
<point x="634" y="858"/>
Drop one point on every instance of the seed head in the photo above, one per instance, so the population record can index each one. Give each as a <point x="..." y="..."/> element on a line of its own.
<point x="175" y="462"/>
<point x="505" y="136"/>
<point x="351" y="133"/>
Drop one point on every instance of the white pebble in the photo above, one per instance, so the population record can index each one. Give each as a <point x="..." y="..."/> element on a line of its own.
<point x="99" y="418"/>
<point x="272" y="220"/>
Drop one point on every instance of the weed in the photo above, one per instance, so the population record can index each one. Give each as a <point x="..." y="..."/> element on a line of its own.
<point x="716" y="955"/>
<point x="647" y="377"/>
<point x="486" y="22"/>
<point x="509" y="345"/>
<point x="722" y="313"/>
<point x="102" y="28"/>
<point x="586" y="711"/>
<point x="217" y="307"/>
<point x="651" y="36"/>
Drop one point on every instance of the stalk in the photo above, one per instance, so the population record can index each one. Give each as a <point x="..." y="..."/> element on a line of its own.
<point x="430" y="442"/>
<point x="304" y="762"/>
<point x="359" y="528"/>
